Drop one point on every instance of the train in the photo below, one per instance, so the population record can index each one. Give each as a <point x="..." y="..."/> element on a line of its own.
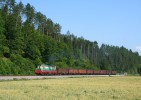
<point x="44" y="69"/>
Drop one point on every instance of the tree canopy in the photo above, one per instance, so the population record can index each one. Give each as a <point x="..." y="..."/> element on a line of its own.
<point x="29" y="38"/>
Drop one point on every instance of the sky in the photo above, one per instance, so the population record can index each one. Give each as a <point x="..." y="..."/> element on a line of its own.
<point x="113" y="22"/>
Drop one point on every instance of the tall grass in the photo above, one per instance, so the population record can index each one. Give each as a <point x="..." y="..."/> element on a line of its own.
<point x="94" y="88"/>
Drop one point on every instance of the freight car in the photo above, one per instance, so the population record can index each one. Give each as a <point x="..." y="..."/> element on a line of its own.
<point x="44" y="69"/>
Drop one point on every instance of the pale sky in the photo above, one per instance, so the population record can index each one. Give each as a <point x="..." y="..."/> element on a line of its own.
<point x="113" y="22"/>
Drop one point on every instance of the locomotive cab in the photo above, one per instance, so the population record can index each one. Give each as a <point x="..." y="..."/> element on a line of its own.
<point x="45" y="69"/>
<point x="38" y="70"/>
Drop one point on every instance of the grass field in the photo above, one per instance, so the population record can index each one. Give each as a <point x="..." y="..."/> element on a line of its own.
<point x="93" y="88"/>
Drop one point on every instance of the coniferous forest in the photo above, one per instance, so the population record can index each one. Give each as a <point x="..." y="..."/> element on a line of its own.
<point x="28" y="38"/>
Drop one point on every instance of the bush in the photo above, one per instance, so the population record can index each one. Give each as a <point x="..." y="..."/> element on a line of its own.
<point x="61" y="64"/>
<point x="25" y="66"/>
<point x="7" y="67"/>
<point x="6" y="52"/>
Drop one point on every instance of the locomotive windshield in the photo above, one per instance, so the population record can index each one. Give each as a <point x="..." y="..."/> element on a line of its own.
<point x="38" y="68"/>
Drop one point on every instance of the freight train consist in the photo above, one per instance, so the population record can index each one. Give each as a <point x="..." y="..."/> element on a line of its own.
<point x="52" y="70"/>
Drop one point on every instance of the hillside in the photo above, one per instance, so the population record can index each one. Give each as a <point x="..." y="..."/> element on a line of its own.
<point x="29" y="38"/>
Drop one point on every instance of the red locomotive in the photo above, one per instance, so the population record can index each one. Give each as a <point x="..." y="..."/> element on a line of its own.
<point x="51" y="70"/>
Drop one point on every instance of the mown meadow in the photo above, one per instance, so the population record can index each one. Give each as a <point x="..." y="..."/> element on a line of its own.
<point x="86" y="88"/>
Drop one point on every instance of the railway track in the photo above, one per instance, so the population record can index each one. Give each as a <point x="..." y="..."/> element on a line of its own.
<point x="56" y="76"/>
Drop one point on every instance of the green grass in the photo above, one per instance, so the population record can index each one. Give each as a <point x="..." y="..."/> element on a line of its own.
<point x="94" y="88"/>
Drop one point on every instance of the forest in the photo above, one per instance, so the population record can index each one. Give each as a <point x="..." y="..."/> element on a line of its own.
<point x="28" y="38"/>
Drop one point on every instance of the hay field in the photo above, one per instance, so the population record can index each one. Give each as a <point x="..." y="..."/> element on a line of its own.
<point x="93" y="88"/>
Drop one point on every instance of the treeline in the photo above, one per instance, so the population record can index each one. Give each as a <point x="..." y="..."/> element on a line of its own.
<point x="28" y="38"/>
